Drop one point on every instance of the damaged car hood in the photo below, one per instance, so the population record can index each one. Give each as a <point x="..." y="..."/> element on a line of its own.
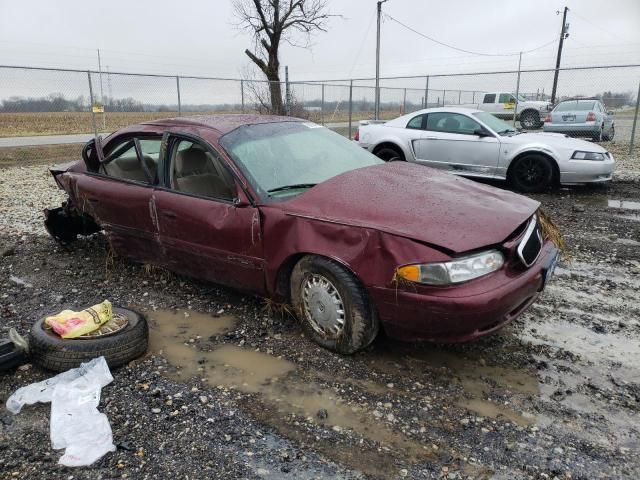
<point x="416" y="202"/>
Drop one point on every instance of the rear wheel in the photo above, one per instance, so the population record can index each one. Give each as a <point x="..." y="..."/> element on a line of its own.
<point x="599" y="137"/>
<point x="530" y="120"/>
<point x="531" y="173"/>
<point x="389" y="154"/>
<point x="333" y="306"/>
<point x="612" y="132"/>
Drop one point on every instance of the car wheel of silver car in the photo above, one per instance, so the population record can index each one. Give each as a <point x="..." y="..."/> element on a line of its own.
<point x="333" y="306"/>
<point x="389" y="154"/>
<point x="531" y="173"/>
<point x="610" y="135"/>
<point x="598" y="137"/>
<point x="530" y="120"/>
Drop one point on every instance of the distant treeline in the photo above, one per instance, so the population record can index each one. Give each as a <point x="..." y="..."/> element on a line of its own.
<point x="56" y="102"/>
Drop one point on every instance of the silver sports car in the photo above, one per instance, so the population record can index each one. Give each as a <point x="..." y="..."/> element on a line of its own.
<point x="474" y="143"/>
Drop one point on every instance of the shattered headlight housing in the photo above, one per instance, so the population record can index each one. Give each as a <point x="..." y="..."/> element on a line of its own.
<point x="454" y="271"/>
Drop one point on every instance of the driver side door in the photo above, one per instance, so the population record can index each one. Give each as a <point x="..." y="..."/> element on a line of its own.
<point x="449" y="142"/>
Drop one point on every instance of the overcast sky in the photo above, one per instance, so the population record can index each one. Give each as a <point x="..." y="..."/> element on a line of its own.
<point x="198" y="37"/>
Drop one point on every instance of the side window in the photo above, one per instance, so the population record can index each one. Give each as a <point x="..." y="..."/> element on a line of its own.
<point x="451" y="123"/>
<point x="506" y="98"/>
<point x="124" y="162"/>
<point x="196" y="171"/>
<point x="489" y="98"/>
<point x="416" y="122"/>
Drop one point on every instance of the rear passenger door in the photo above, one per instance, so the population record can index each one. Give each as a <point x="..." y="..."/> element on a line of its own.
<point x="119" y="196"/>
<point x="204" y="230"/>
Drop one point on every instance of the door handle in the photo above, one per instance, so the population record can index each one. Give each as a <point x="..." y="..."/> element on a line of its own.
<point x="169" y="214"/>
<point x="93" y="200"/>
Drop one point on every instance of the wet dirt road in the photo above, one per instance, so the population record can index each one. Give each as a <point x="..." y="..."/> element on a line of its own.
<point x="230" y="389"/>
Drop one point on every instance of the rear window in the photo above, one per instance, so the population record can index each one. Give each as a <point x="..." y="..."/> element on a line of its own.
<point x="575" y="106"/>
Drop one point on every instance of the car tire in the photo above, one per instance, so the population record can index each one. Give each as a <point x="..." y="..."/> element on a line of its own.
<point x="530" y="120"/>
<point x="599" y="137"/>
<point x="52" y="352"/>
<point x="318" y="285"/>
<point x="531" y="173"/>
<point x="610" y="135"/>
<point x="389" y="154"/>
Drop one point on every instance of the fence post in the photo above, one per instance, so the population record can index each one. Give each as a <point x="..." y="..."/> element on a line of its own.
<point x="474" y="97"/>
<point x="93" y="114"/>
<point x="350" y="105"/>
<point x="515" y="107"/>
<point x="178" y="90"/>
<point x="287" y="91"/>
<point x="635" y="121"/>
<point x="459" y="96"/>
<point x="242" y="95"/>
<point x="404" y="102"/>
<point x="426" y="93"/>
<point x="322" y="106"/>
<point x="444" y="94"/>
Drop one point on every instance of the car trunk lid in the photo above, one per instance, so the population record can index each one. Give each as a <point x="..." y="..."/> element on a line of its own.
<point x="417" y="202"/>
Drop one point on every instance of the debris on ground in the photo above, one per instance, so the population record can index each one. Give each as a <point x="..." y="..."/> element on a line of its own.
<point x="70" y="324"/>
<point x="76" y="424"/>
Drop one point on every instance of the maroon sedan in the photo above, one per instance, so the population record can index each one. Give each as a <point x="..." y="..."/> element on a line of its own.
<point x="286" y="209"/>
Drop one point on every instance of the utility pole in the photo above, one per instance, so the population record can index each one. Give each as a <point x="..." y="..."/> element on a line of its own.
<point x="377" y="112"/>
<point x="563" y="34"/>
<point x="515" y="107"/>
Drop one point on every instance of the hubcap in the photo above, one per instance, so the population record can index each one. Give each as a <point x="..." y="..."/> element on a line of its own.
<point x="323" y="305"/>
<point x="530" y="172"/>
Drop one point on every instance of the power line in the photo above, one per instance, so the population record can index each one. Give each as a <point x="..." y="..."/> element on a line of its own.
<point x="462" y="49"/>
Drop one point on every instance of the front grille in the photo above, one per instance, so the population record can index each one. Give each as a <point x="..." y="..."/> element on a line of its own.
<point x="531" y="244"/>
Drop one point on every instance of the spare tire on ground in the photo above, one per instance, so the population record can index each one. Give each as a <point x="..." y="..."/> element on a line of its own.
<point x="120" y="340"/>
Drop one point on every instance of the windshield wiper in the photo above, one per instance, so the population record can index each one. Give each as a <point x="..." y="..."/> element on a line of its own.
<point x="295" y="186"/>
<point x="508" y="130"/>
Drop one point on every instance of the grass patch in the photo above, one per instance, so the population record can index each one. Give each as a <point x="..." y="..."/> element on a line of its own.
<point x="39" y="155"/>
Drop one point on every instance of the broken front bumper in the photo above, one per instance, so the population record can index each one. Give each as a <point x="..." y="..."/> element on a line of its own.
<point x="463" y="314"/>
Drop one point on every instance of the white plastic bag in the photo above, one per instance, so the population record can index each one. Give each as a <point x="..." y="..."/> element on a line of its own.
<point x="76" y="423"/>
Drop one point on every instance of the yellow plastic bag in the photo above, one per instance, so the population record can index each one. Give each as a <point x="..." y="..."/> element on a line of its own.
<point x="70" y="324"/>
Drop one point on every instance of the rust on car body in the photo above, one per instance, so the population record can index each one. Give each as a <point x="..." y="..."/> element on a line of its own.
<point x="371" y="220"/>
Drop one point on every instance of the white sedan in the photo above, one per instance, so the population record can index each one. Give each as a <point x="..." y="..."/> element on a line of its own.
<point x="474" y="143"/>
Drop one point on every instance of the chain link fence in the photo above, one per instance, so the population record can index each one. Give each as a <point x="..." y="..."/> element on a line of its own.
<point x="46" y="115"/>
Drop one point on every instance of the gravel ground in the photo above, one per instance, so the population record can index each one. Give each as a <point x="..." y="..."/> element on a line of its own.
<point x="554" y="395"/>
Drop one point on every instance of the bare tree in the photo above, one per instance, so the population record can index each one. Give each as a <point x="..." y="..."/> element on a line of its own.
<point x="275" y="21"/>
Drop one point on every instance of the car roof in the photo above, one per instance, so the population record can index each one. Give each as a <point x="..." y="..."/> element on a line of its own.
<point x="222" y="123"/>
<point x="581" y="99"/>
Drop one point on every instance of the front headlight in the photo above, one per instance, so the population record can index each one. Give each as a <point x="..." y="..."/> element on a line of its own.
<point x="455" y="271"/>
<point x="579" y="155"/>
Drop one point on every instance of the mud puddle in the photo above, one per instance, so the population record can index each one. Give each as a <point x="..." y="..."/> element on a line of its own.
<point x="187" y="340"/>
<point x="481" y="383"/>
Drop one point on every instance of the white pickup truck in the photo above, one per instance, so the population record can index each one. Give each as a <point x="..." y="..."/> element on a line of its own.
<point x="531" y="113"/>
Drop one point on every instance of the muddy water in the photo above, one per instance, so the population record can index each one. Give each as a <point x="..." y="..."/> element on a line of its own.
<point x="479" y="381"/>
<point x="184" y="341"/>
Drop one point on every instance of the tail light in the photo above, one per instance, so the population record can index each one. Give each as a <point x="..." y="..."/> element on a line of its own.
<point x="357" y="135"/>
<point x="591" y="117"/>
<point x="547" y="119"/>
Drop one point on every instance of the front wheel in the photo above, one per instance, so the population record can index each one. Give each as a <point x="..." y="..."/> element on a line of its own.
<point x="531" y="173"/>
<point x="333" y="306"/>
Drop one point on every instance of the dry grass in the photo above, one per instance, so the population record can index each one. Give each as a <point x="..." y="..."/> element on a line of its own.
<point x="62" y="123"/>
<point x="552" y="232"/>
<point x="65" y="123"/>
<point x="39" y="155"/>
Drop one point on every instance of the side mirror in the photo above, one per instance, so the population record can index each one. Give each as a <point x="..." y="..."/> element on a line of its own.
<point x="481" y="132"/>
<point x="240" y="202"/>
